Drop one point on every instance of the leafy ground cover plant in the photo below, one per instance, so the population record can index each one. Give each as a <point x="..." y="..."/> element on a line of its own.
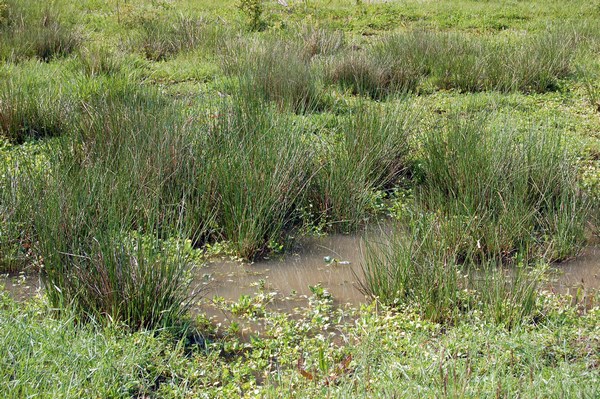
<point x="320" y="352"/>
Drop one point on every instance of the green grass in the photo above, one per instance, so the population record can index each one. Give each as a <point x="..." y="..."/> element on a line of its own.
<point x="393" y="353"/>
<point x="134" y="135"/>
<point x="412" y="61"/>
<point x="116" y="175"/>
<point x="414" y="266"/>
<point x="275" y="70"/>
<point x="29" y="29"/>
<point x="33" y="104"/>
<point x="502" y="190"/>
<point x="366" y="152"/>
<point x="163" y="37"/>
<point x="261" y="168"/>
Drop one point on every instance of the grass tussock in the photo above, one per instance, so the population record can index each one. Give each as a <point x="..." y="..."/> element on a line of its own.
<point x="32" y="107"/>
<point x="261" y="169"/>
<point x="163" y="38"/>
<point x="367" y="152"/>
<point x="99" y="60"/>
<point x="29" y="29"/>
<point x="320" y="41"/>
<point x="127" y="171"/>
<point x="275" y="71"/>
<point x="414" y="266"/>
<point x="408" y="62"/>
<point x="523" y="197"/>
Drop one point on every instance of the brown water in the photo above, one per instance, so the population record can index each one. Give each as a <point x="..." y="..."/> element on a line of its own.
<point x="333" y="262"/>
<point x="582" y="272"/>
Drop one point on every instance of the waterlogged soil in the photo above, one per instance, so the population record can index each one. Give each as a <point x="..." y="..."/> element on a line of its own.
<point x="332" y="263"/>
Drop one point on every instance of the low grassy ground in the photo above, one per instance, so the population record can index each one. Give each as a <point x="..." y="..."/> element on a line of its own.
<point x="320" y="352"/>
<point x="138" y="137"/>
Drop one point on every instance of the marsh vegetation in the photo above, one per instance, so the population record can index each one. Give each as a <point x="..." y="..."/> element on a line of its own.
<point x="140" y="139"/>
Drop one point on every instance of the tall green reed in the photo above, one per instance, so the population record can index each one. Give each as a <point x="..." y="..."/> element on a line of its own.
<point x="113" y="192"/>
<point x="33" y="105"/>
<point x="275" y="70"/>
<point x="503" y="190"/>
<point x="410" y="61"/>
<point x="31" y="29"/>
<point x="261" y="168"/>
<point x="366" y="153"/>
<point x="415" y="266"/>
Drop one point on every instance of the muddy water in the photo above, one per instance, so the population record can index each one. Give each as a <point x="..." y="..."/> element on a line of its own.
<point x="333" y="262"/>
<point x="582" y="272"/>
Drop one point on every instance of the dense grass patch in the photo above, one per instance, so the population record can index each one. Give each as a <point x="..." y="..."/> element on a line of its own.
<point x="30" y="29"/>
<point x="33" y="104"/>
<point x="275" y="70"/>
<point x="163" y="37"/>
<point x="372" y="352"/>
<point x="408" y="62"/>
<point x="124" y="169"/>
<point x="366" y="152"/>
<point x="43" y="355"/>
<point x="414" y="266"/>
<point x="261" y="167"/>
<point x="503" y="191"/>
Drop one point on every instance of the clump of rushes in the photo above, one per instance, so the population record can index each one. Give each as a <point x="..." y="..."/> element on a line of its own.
<point x="403" y="62"/>
<point x="275" y="70"/>
<point x="32" y="30"/>
<point x="32" y="107"/>
<point x="503" y="191"/>
<point x="165" y="37"/>
<point x="20" y="166"/>
<point x="321" y="42"/>
<point x="99" y="60"/>
<point x="359" y="73"/>
<point x="367" y="152"/>
<point x="260" y="167"/>
<point x="124" y="181"/>
<point x="414" y="266"/>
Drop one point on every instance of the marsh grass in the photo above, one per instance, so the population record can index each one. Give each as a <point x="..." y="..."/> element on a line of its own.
<point x="33" y="107"/>
<point x="405" y="62"/>
<point x="12" y="235"/>
<point x="137" y="167"/>
<point x="367" y="152"/>
<point x="275" y="70"/>
<point x="414" y="266"/>
<point x="355" y="71"/>
<point x="99" y="60"/>
<point x="124" y="180"/>
<point x="503" y="190"/>
<point x="163" y="38"/>
<point x="320" y="42"/>
<point x="34" y="30"/>
<point x="261" y="168"/>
